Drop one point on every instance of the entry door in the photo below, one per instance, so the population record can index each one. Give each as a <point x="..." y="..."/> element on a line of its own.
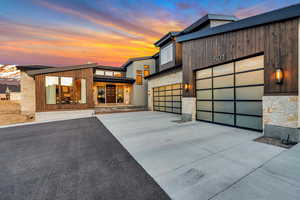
<point x="110" y="94"/>
<point x="231" y="94"/>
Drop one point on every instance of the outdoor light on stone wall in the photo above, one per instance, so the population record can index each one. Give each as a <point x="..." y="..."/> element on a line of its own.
<point x="279" y="75"/>
<point x="187" y="87"/>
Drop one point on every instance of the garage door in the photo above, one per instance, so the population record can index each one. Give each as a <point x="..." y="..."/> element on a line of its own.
<point x="168" y="98"/>
<point x="231" y="94"/>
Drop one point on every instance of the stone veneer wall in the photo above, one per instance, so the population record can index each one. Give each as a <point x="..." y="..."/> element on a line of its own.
<point x="188" y="108"/>
<point x="280" y="116"/>
<point x="161" y="80"/>
<point x="28" y="104"/>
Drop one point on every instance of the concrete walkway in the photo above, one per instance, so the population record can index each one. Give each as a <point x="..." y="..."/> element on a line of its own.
<point x="197" y="160"/>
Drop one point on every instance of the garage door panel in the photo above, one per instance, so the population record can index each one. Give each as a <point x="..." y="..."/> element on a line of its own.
<point x="204" y="105"/>
<point x="224" y="106"/>
<point x="224" y="94"/>
<point x="221" y="118"/>
<point x="249" y="108"/>
<point x="177" y="98"/>
<point x="250" y="93"/>
<point x="206" y="73"/>
<point x="224" y="81"/>
<point x="249" y="122"/>
<point x="206" y="116"/>
<point x="250" y="78"/>
<point x="204" y="84"/>
<point x="204" y="94"/>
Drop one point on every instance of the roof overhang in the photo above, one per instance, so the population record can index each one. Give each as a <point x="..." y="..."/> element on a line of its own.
<point x="98" y="78"/>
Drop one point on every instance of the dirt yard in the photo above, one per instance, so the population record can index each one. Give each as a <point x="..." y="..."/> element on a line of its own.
<point x="10" y="113"/>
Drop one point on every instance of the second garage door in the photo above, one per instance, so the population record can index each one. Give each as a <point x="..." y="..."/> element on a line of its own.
<point x="231" y="94"/>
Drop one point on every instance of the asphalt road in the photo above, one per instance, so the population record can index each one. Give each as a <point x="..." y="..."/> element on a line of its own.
<point x="73" y="159"/>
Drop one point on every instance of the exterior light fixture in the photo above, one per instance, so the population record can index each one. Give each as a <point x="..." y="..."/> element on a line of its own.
<point x="279" y="75"/>
<point x="187" y="87"/>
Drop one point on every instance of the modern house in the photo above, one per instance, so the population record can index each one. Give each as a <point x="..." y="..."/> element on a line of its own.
<point x="222" y="70"/>
<point x="86" y="86"/>
<point x="165" y="85"/>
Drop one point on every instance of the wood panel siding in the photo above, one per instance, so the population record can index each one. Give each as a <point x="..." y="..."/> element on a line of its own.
<point x="278" y="42"/>
<point x="41" y="105"/>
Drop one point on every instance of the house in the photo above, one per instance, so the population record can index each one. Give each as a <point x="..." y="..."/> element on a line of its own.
<point x="245" y="73"/>
<point x="165" y="85"/>
<point x="46" y="88"/>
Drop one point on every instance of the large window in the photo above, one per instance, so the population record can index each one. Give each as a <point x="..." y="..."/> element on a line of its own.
<point x="139" y="77"/>
<point x="52" y="90"/>
<point x="166" y="54"/>
<point x="64" y="90"/>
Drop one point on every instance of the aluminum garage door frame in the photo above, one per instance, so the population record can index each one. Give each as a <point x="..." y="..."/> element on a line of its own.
<point x="168" y="98"/>
<point x="231" y="94"/>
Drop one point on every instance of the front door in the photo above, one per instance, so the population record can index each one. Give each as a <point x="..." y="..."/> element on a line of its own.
<point x="110" y="94"/>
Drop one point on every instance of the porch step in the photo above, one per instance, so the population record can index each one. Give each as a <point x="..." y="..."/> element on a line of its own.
<point x="115" y="109"/>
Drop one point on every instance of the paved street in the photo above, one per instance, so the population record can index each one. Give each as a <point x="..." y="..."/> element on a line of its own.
<point x="75" y="159"/>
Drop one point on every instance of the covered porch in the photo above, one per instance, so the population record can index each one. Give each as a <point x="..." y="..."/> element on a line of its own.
<point x="112" y="91"/>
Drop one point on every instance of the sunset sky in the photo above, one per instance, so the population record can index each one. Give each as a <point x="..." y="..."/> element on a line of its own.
<point x="67" y="32"/>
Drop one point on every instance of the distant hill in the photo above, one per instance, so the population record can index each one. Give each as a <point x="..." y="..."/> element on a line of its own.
<point x="9" y="72"/>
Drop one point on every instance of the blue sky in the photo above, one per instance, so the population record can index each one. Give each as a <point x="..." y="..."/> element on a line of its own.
<point x="65" y="32"/>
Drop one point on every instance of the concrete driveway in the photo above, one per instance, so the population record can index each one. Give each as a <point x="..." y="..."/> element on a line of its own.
<point x="193" y="160"/>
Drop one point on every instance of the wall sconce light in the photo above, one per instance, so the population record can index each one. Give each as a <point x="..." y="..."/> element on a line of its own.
<point x="279" y="75"/>
<point x="187" y="87"/>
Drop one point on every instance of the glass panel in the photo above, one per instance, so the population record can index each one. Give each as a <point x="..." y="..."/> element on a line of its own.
<point x="250" y="93"/>
<point x="250" y="78"/>
<point x="204" y="84"/>
<point x="224" y="94"/>
<point x="176" y="98"/>
<point x="224" y="118"/>
<point x="161" y="103"/>
<point x="120" y="94"/>
<point x="249" y="122"/>
<point x="155" y="89"/>
<point x="224" y="106"/>
<point x="101" y="94"/>
<point x="206" y="116"/>
<point x="249" y="64"/>
<point x="66" y="84"/>
<point x="224" y="81"/>
<point x="250" y="108"/>
<point x="117" y="74"/>
<point x="168" y="93"/>
<point x="156" y="98"/>
<point x="169" y="87"/>
<point x="169" y="109"/>
<point x="52" y="91"/>
<point x="156" y="108"/>
<point x="177" y="110"/>
<point x="205" y="73"/>
<point x="169" y="98"/>
<point x="80" y="91"/>
<point x="100" y="72"/>
<point x="166" y="54"/>
<point x="162" y="93"/>
<point x="204" y="94"/>
<point x="169" y="104"/>
<point x="223" y="69"/>
<point x="176" y="92"/>
<point x="204" y="105"/>
<point x="162" y="98"/>
<point x="108" y="73"/>
<point x="176" y="104"/>
<point x="162" y="88"/>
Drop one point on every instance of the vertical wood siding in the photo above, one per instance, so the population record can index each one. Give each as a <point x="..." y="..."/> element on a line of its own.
<point x="278" y="42"/>
<point x="41" y="105"/>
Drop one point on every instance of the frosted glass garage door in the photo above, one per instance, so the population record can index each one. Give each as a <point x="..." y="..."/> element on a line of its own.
<point x="231" y="94"/>
<point x="168" y="98"/>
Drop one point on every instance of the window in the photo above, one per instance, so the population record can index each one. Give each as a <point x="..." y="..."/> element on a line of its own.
<point x="120" y="94"/>
<point x="101" y="94"/>
<point x="146" y="70"/>
<point x="139" y="77"/>
<point x="166" y="54"/>
<point x="64" y="90"/>
<point x="52" y="90"/>
<point x="100" y="72"/>
<point x="117" y="74"/>
<point x="108" y="73"/>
